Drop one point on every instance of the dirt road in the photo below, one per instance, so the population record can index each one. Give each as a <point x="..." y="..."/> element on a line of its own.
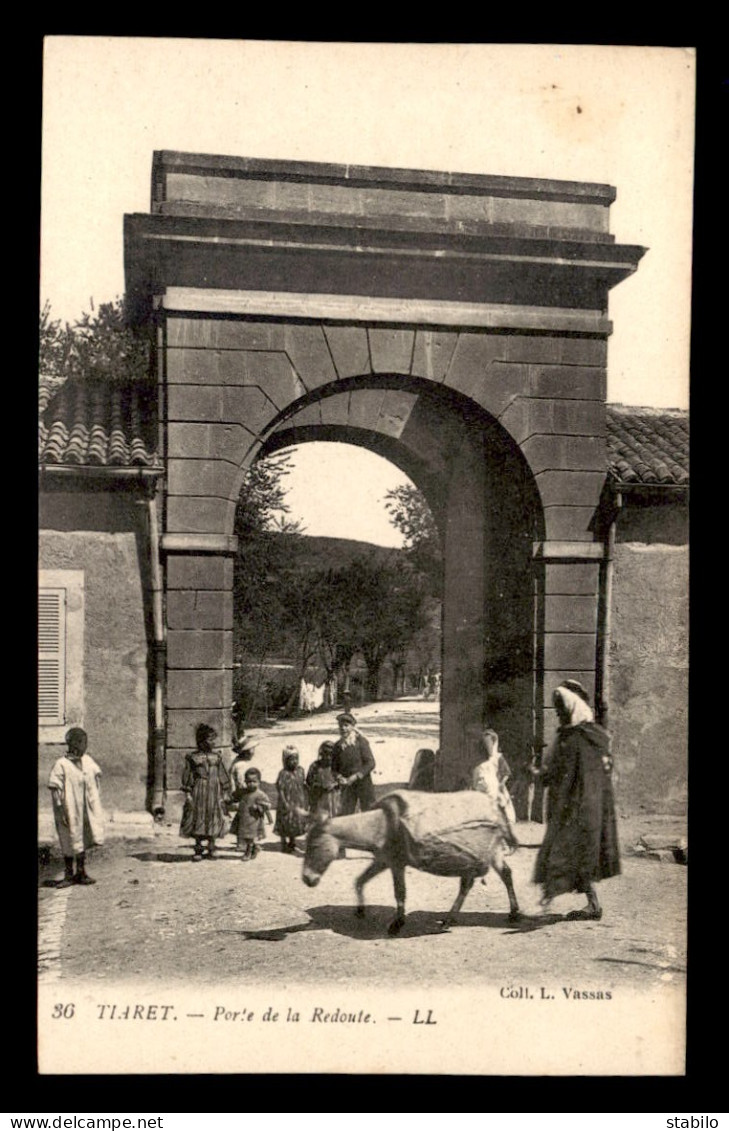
<point x="154" y="914"/>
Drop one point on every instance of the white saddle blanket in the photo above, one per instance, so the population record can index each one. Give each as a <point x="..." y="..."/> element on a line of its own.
<point x="448" y="834"/>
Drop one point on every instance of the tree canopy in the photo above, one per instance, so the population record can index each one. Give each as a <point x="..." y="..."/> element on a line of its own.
<point x="99" y="344"/>
<point x="411" y="515"/>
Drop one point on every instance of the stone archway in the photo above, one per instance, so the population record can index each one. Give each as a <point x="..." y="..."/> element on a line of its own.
<point x="458" y="322"/>
<point x="486" y="504"/>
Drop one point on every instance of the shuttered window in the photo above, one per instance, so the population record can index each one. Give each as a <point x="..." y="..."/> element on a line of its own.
<point x="52" y="657"/>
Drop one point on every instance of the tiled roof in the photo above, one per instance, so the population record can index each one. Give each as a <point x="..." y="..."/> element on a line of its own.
<point x="111" y="424"/>
<point x="96" y="424"/>
<point x="648" y="446"/>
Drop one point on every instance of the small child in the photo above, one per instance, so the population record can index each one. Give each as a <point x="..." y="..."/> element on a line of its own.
<point x="74" y="786"/>
<point x="322" y="784"/>
<point x="253" y="809"/>
<point x="293" y="800"/>
<point x="491" y="776"/>
<point x="240" y="764"/>
<point x="206" y="787"/>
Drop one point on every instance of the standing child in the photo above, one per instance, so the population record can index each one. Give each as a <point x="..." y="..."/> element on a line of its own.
<point x="491" y="776"/>
<point x="293" y="801"/>
<point x="253" y="809"/>
<point x="206" y="786"/>
<point x="322" y="783"/>
<point x="74" y="786"/>
<point x="240" y="764"/>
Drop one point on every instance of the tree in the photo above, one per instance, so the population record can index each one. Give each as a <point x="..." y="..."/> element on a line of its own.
<point x="335" y="642"/>
<point x="99" y="345"/>
<point x="264" y="557"/>
<point x="385" y="607"/>
<point x="262" y="501"/>
<point x="264" y="571"/>
<point x="55" y="343"/>
<point x="304" y="601"/>
<point x="411" y="515"/>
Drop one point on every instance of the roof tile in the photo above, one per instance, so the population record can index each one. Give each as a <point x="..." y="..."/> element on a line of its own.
<point x="96" y="423"/>
<point x="648" y="445"/>
<point x="113" y="424"/>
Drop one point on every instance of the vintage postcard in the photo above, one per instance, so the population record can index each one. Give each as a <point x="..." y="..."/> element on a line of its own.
<point x="363" y="590"/>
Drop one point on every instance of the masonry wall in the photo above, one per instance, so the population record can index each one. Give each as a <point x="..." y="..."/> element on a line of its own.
<point x="103" y="534"/>
<point x="227" y="381"/>
<point x="649" y="659"/>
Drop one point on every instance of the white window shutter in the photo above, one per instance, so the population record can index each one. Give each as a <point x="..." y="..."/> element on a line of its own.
<point x="52" y="657"/>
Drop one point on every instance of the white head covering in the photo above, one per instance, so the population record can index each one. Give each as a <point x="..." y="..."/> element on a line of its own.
<point x="579" y="711"/>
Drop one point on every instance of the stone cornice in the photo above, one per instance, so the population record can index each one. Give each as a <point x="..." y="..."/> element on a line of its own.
<point x="166" y="251"/>
<point x="370" y="176"/>
<point x="369" y="309"/>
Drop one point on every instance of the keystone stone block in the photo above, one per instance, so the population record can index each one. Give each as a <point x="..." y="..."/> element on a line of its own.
<point x="391" y="350"/>
<point x="349" y="349"/>
<point x="364" y="407"/>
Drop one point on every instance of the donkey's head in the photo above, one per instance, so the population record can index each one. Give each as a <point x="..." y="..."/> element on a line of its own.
<point x="321" y="848"/>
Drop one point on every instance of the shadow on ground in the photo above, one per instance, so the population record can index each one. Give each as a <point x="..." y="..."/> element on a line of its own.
<point x="224" y="852"/>
<point x="418" y="924"/>
<point x="662" y="966"/>
<point x="168" y="858"/>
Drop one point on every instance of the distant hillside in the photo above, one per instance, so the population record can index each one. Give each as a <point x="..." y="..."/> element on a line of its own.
<point x="316" y="553"/>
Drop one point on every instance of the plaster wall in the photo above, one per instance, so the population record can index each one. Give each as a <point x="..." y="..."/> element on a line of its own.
<point x="102" y="533"/>
<point x="649" y="665"/>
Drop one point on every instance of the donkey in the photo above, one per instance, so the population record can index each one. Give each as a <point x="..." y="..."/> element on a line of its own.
<point x="447" y="834"/>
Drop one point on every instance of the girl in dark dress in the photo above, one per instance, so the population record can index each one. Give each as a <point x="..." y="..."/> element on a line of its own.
<point x="206" y="786"/>
<point x="581" y="843"/>
<point x="322" y="783"/>
<point x="293" y="800"/>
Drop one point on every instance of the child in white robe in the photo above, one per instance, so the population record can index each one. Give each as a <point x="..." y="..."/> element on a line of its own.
<point x="74" y="786"/>
<point x="491" y="776"/>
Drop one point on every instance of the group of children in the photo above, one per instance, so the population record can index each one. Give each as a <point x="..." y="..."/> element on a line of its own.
<point x="212" y="794"/>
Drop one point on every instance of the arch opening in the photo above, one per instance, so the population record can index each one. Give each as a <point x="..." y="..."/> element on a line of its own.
<point x="343" y="619"/>
<point x="486" y="505"/>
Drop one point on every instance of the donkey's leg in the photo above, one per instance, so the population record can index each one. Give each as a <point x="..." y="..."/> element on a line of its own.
<point x="369" y="874"/>
<point x="398" y="881"/>
<point x="465" y="886"/>
<point x="504" y="871"/>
